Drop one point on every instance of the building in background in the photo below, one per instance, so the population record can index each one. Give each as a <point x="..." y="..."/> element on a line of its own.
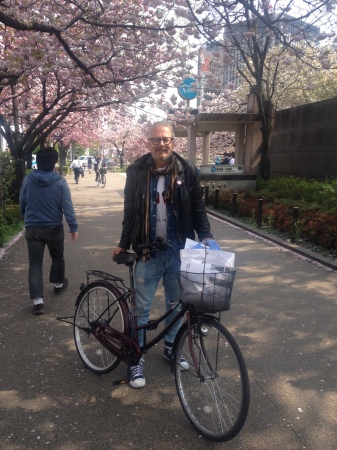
<point x="218" y="65"/>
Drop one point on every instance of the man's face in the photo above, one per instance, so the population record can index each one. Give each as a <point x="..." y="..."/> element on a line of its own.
<point x="160" y="152"/>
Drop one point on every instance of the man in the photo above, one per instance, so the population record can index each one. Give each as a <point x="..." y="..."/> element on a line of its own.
<point x="89" y="164"/>
<point x="231" y="159"/>
<point x="162" y="198"/>
<point x="99" y="166"/>
<point x="225" y="159"/>
<point x="44" y="199"/>
<point x="76" y="166"/>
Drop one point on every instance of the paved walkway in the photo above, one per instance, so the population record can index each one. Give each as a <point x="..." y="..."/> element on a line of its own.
<point x="283" y="316"/>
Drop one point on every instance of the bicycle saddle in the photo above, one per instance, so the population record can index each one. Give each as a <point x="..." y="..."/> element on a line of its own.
<point x="125" y="258"/>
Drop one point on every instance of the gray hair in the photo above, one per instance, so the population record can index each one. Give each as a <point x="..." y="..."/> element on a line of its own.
<point x="162" y="123"/>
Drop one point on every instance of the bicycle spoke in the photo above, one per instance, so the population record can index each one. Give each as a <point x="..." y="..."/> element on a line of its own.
<point x="96" y="302"/>
<point x="214" y="392"/>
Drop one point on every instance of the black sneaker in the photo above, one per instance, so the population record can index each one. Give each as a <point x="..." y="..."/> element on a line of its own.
<point x="38" y="309"/>
<point x="168" y="354"/>
<point x="137" y="379"/>
<point x="58" y="291"/>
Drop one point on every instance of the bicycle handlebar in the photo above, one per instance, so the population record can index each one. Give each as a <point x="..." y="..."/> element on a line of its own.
<point x="157" y="244"/>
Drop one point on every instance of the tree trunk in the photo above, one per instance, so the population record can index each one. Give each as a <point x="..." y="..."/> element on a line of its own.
<point x="17" y="182"/>
<point x="267" y="112"/>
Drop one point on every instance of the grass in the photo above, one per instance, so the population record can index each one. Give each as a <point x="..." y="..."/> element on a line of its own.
<point x="8" y="232"/>
<point x="11" y="223"/>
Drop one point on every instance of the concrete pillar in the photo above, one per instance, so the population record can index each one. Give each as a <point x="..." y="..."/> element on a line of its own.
<point x="206" y="139"/>
<point x="239" y="145"/>
<point x="191" y="143"/>
<point x="252" y="148"/>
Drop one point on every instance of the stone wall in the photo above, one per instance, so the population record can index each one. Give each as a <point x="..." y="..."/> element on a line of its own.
<point x="304" y="142"/>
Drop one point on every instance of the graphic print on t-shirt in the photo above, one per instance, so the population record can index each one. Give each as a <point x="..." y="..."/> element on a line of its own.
<point x="161" y="221"/>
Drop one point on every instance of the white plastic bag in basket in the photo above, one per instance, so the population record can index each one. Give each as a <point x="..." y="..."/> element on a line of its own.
<point x="203" y="260"/>
<point x="206" y="276"/>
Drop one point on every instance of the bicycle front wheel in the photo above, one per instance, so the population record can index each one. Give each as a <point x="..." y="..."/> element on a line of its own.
<point x="103" y="181"/>
<point x="97" y="300"/>
<point x="214" y="391"/>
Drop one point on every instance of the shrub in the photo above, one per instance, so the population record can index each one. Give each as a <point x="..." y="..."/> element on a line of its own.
<point x="320" y="229"/>
<point x="8" y="168"/>
<point x="13" y="214"/>
<point x="279" y="217"/>
<point x="11" y="223"/>
<point x="307" y="194"/>
<point x="317" y="201"/>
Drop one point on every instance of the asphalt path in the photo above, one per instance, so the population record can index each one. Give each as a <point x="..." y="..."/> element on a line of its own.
<point x="283" y="316"/>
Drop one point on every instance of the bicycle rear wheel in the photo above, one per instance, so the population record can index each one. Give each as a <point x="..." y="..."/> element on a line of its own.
<point x="103" y="180"/>
<point x="92" y="304"/>
<point x="215" y="400"/>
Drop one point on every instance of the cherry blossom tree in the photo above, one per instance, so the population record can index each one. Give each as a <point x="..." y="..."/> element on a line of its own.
<point x="121" y="136"/>
<point x="64" y="58"/>
<point x="245" y="33"/>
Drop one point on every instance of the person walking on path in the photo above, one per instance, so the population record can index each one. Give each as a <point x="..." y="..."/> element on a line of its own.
<point x="89" y="164"/>
<point x="76" y="166"/>
<point x="44" y="199"/>
<point x="162" y="198"/>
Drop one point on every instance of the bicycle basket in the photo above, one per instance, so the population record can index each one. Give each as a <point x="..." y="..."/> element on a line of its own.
<point x="209" y="292"/>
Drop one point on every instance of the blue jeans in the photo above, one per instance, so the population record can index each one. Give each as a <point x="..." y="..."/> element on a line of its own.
<point x="163" y="265"/>
<point x="37" y="238"/>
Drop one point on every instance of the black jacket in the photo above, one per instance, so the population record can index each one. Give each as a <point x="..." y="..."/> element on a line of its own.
<point x="188" y="205"/>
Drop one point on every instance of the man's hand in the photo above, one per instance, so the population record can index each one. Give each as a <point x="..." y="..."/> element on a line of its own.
<point x="74" y="236"/>
<point x="205" y="241"/>
<point x="117" y="251"/>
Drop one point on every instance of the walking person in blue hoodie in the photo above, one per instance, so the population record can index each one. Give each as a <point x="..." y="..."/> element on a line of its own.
<point x="44" y="200"/>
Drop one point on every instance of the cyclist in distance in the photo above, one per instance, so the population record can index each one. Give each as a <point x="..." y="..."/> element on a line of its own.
<point x="162" y="197"/>
<point x="99" y="166"/>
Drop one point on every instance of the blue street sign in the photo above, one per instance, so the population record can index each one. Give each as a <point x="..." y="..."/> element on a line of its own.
<point x="186" y="91"/>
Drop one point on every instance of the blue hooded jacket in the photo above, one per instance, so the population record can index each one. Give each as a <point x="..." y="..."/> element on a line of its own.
<point x="44" y="199"/>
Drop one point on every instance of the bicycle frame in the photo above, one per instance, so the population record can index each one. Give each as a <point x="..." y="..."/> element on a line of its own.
<point x="125" y="345"/>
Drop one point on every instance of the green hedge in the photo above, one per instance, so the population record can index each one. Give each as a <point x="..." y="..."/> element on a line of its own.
<point x="317" y="203"/>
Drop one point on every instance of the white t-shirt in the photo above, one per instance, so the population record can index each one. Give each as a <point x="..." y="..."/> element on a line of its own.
<point x="161" y="220"/>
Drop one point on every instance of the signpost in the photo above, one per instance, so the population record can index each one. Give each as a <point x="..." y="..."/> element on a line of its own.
<point x="186" y="90"/>
<point x="221" y="169"/>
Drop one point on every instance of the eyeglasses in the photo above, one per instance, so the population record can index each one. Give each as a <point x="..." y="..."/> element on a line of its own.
<point x="157" y="141"/>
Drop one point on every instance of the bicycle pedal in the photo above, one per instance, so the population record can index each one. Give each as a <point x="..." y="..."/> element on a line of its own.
<point x="119" y="382"/>
<point x="152" y="325"/>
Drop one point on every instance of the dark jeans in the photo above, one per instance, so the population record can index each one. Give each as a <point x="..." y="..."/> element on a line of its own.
<point x="37" y="238"/>
<point x="76" y="173"/>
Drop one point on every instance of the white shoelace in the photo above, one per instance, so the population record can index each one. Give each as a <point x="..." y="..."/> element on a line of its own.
<point x="137" y="371"/>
